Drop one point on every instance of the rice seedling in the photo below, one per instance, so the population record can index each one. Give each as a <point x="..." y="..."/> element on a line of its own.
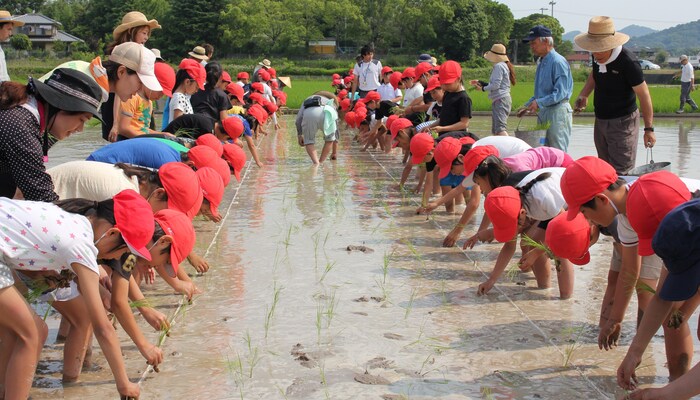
<point x="384" y="288"/>
<point x="253" y="354"/>
<point x="385" y="265"/>
<point x="324" y="382"/>
<point x="487" y="392"/>
<point x="235" y="366"/>
<point x="143" y="303"/>
<point x="331" y="304"/>
<point x="374" y="230"/>
<point x="528" y="241"/>
<point x="319" y="321"/>
<point x="574" y="344"/>
<point x="270" y="310"/>
<point x="512" y="272"/>
<point x="443" y="292"/>
<point x="329" y="267"/>
<point x="409" y="306"/>
<point x="35" y="289"/>
<point x="415" y="253"/>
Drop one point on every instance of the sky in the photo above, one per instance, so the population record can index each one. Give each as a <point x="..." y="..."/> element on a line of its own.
<point x="574" y="14"/>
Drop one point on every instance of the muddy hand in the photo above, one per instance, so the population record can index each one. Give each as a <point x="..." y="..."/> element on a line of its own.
<point x="132" y="391"/>
<point x="626" y="375"/>
<point x="484" y="288"/>
<point x="609" y="334"/>
<point x="581" y="104"/>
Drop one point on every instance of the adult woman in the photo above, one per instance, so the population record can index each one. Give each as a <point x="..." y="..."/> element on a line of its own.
<point x="498" y="86"/>
<point x="67" y="245"/>
<point x="32" y="118"/>
<point x="135" y="28"/>
<point x="318" y="112"/>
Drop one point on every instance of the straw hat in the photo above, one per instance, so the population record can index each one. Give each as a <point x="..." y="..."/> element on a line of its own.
<point x="601" y="36"/>
<point x="199" y="53"/>
<point x="7" y="17"/>
<point x="265" y="63"/>
<point x="132" y="19"/>
<point x="286" y="81"/>
<point x="497" y="53"/>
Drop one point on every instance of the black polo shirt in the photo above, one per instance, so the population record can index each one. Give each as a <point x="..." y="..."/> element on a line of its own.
<point x="614" y="96"/>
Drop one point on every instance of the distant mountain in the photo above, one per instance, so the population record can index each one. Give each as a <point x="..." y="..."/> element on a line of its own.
<point x="684" y="38"/>
<point x="636" y="30"/>
<point x="570" y="35"/>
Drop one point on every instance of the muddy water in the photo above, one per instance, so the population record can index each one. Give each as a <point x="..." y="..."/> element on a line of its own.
<point x="289" y="312"/>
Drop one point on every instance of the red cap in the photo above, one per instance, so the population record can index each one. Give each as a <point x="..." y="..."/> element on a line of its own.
<point x="390" y="120"/>
<point x="264" y="75"/>
<point x="179" y="227"/>
<point x="272" y="72"/>
<point x="256" y="97"/>
<point x="236" y="158"/>
<point x="233" y="126"/>
<point x="371" y="96"/>
<point x="182" y="187"/>
<point x="395" y="79"/>
<point x="258" y="113"/>
<point x="421" y="144"/>
<point x="201" y="156"/>
<point x="345" y="104"/>
<point x="350" y="119"/>
<point x="336" y="82"/>
<point x="209" y="140"/>
<point x="243" y="75"/>
<point x="222" y="168"/>
<point x="445" y="153"/>
<point x="433" y="83"/>
<point x="569" y="239"/>
<point x="274" y="84"/>
<point x="258" y="87"/>
<point x="360" y="117"/>
<point x="386" y="69"/>
<point x="270" y="107"/>
<point x="449" y="72"/>
<point x="342" y="94"/>
<point x="423" y="68"/>
<point x="348" y="79"/>
<point x="212" y="188"/>
<point x="397" y="124"/>
<point x="476" y="156"/>
<point x="650" y="198"/>
<point x="503" y="206"/>
<point x="409" y="72"/>
<point x="225" y="77"/>
<point x="335" y="76"/>
<point x="582" y="180"/>
<point x="195" y="70"/>
<point x="236" y="90"/>
<point x="360" y="106"/>
<point x="134" y="219"/>
<point x="166" y="77"/>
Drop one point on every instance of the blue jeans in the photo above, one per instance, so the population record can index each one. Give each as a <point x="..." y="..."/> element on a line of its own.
<point x="560" y="118"/>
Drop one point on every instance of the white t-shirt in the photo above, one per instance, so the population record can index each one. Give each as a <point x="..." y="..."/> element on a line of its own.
<point x="368" y="74"/>
<point x="507" y="146"/>
<point x="90" y="180"/>
<point x="180" y="101"/>
<point x="4" y="76"/>
<point x="388" y="92"/>
<point x="40" y="236"/>
<point x="687" y="73"/>
<point x="544" y="201"/>
<point x="413" y="93"/>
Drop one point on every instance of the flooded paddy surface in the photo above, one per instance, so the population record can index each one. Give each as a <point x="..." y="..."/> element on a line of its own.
<point x="289" y="312"/>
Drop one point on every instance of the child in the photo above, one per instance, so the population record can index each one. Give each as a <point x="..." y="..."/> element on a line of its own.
<point x="386" y="90"/>
<point x="190" y="78"/>
<point x="211" y="101"/>
<point x="498" y="86"/>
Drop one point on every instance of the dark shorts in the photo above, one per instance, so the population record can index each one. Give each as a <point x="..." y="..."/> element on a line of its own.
<point x="543" y="224"/>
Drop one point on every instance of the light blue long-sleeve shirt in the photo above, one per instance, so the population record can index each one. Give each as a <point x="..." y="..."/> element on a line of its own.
<point x="499" y="83"/>
<point x="553" y="81"/>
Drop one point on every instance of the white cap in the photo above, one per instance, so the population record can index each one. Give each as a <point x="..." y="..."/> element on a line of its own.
<point x="138" y="58"/>
<point x="683" y="57"/>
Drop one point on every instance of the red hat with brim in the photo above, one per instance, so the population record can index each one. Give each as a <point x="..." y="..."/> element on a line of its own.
<point x="258" y="87"/>
<point x="212" y="188"/>
<point x="235" y="90"/>
<point x="397" y="125"/>
<point x="225" y="77"/>
<point x="179" y="227"/>
<point x="409" y="72"/>
<point x="264" y="75"/>
<point x="449" y="72"/>
<point x="423" y="68"/>
<point x="445" y="153"/>
<point x="134" y="219"/>
<point x="342" y="94"/>
<point x="201" y="156"/>
<point x="212" y="142"/>
<point x="181" y="186"/>
<point x="421" y="144"/>
<point x="433" y="83"/>
<point x="569" y="239"/>
<point x="195" y="70"/>
<point x="477" y="155"/>
<point x="233" y="126"/>
<point x="236" y="158"/>
<point x="166" y="77"/>
<point x="345" y="104"/>
<point x="243" y="75"/>
<point x="350" y="119"/>
<point x="395" y="79"/>
<point x="503" y="206"/>
<point x="371" y="96"/>
<point x="583" y="180"/>
<point x="257" y="111"/>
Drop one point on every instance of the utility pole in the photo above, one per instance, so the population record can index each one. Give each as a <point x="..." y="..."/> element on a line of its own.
<point x="552" y="3"/>
<point x="542" y="10"/>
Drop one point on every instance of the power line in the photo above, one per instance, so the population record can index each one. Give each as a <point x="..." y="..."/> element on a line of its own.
<point x="622" y="18"/>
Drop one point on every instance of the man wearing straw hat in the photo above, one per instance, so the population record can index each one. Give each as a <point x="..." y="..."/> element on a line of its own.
<point x="618" y="81"/>
<point x="7" y="23"/>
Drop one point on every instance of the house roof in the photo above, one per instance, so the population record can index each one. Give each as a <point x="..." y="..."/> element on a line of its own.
<point x="37" y="19"/>
<point x="582" y="57"/>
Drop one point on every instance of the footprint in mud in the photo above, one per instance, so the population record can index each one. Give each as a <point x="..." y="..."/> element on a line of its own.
<point x="369" y="379"/>
<point x="362" y="299"/>
<point x="380" y="362"/>
<point x="393" y="397"/>
<point x="301" y="388"/>
<point x="300" y="355"/>
<point x="393" y="336"/>
<point x="363" y="249"/>
<point x="365" y="299"/>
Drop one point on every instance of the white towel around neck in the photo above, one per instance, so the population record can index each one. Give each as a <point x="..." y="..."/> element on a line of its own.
<point x="615" y="53"/>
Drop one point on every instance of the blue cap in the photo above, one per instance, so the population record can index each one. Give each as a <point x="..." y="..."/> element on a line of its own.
<point x="424" y="58"/>
<point x="677" y="242"/>
<point x="537" y="32"/>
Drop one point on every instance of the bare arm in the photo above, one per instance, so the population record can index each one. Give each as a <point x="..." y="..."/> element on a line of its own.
<point x="642" y="91"/>
<point x="253" y="150"/>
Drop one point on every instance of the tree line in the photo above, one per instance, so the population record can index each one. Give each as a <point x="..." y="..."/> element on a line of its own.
<point x="456" y="29"/>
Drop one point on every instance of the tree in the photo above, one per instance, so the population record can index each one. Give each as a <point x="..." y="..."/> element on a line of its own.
<point x="466" y="32"/>
<point x="66" y="12"/>
<point x="565" y="48"/>
<point x="189" y="23"/>
<point x="20" y="42"/>
<point x="522" y="26"/>
<point x="16" y="7"/>
<point x="500" y="24"/>
<point x="661" y="57"/>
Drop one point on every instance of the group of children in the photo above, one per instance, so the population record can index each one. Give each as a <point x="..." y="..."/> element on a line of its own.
<point x="558" y="205"/>
<point x="84" y="235"/>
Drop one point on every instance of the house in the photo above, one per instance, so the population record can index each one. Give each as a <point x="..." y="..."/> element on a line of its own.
<point x="324" y="46"/>
<point x="579" y="56"/>
<point x="43" y="31"/>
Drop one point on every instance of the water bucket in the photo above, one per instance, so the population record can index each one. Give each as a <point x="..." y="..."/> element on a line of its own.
<point x="650" y="166"/>
<point x="535" y="138"/>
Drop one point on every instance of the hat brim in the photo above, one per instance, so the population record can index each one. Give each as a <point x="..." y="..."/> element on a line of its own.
<point x="141" y="252"/>
<point x="583" y="260"/>
<point x="644" y="247"/>
<point x="12" y="21"/>
<point x="153" y="24"/>
<point x="151" y="82"/>
<point x="495" y="58"/>
<point x="572" y="212"/>
<point x="681" y="286"/>
<point x="506" y="232"/>
<point x="444" y="170"/>
<point x="64" y="101"/>
<point x="198" y="56"/>
<point x="417" y="158"/>
<point x="286" y="81"/>
<point x="598" y="44"/>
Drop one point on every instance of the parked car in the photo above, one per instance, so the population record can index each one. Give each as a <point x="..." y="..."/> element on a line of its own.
<point x="646" y="64"/>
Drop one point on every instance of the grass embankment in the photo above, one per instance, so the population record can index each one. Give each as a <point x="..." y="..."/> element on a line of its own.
<point x="665" y="97"/>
